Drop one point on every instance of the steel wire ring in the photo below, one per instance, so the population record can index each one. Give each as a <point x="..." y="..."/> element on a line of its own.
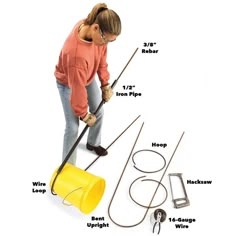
<point x="130" y="194"/>
<point x="148" y="150"/>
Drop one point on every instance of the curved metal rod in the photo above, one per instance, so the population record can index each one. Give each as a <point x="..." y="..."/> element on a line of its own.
<point x="149" y="206"/>
<point x="109" y="214"/>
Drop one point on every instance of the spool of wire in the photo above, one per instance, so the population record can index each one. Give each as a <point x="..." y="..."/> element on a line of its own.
<point x="156" y="218"/>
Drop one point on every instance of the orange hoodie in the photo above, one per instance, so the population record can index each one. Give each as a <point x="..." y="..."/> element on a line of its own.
<point x="79" y="61"/>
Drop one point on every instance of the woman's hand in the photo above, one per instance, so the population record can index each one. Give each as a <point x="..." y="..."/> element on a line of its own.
<point x="89" y="119"/>
<point x="106" y="92"/>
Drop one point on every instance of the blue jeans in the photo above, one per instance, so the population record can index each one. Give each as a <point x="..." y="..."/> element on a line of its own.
<point x="72" y="121"/>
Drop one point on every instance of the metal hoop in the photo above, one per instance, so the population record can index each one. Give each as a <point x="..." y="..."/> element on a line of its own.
<point x="148" y="150"/>
<point x="159" y="183"/>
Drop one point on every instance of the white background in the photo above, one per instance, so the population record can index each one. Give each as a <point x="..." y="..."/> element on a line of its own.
<point x="188" y="86"/>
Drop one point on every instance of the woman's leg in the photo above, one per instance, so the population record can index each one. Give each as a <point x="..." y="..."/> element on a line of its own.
<point x="72" y="123"/>
<point x="94" y="99"/>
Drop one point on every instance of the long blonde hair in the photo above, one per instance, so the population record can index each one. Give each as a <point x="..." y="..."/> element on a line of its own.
<point x="107" y="19"/>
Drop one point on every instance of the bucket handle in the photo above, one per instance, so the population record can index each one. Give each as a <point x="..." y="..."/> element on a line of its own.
<point x="64" y="199"/>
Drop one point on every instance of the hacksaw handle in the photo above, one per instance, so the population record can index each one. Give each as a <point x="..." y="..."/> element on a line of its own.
<point x="181" y="202"/>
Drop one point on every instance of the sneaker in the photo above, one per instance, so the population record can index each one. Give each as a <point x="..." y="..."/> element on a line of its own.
<point x="99" y="150"/>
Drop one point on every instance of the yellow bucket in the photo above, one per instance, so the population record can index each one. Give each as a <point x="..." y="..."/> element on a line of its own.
<point x="79" y="187"/>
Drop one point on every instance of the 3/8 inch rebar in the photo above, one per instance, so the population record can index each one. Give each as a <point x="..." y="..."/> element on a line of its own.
<point x="111" y="143"/>
<point x="149" y="206"/>
<point x="86" y="128"/>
